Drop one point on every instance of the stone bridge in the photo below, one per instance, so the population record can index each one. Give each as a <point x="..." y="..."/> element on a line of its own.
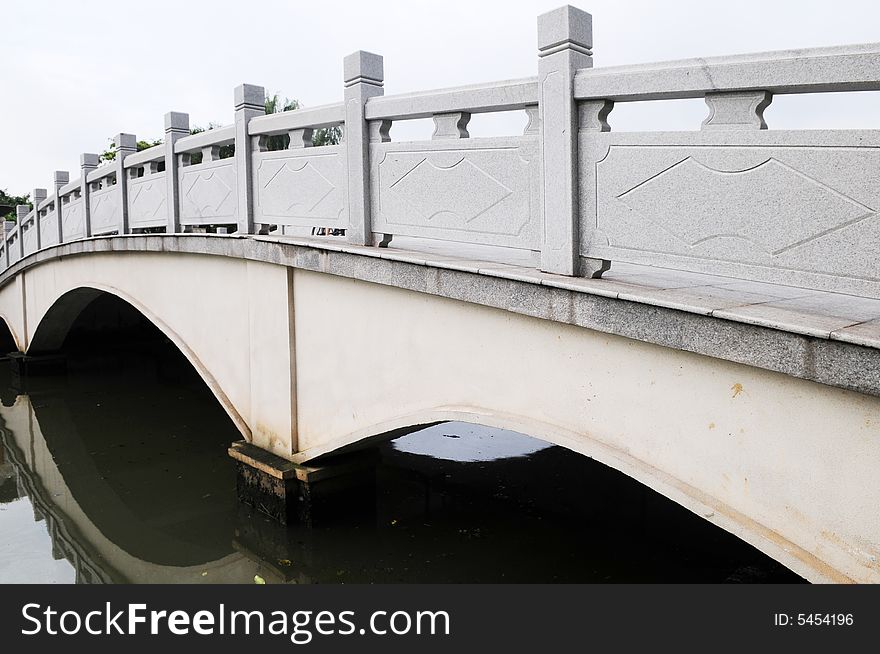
<point x="700" y="309"/>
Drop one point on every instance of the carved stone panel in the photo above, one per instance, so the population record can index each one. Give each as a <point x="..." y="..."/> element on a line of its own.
<point x="49" y="229"/>
<point x="777" y="208"/>
<point x="303" y="187"/>
<point x="72" y="223"/>
<point x="106" y="210"/>
<point x="475" y="190"/>
<point x="29" y="239"/>
<point x="146" y="201"/>
<point x="12" y="246"/>
<point x="208" y="193"/>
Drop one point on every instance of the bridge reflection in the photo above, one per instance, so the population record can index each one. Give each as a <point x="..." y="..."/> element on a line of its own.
<point x="121" y="524"/>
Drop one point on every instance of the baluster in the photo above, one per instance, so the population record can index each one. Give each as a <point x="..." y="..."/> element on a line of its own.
<point x="380" y="131"/>
<point x="210" y="153"/>
<point x="451" y="126"/>
<point x="260" y="143"/>
<point x="300" y="138"/>
<point x="728" y="111"/>
<point x="534" y="122"/>
<point x="593" y="115"/>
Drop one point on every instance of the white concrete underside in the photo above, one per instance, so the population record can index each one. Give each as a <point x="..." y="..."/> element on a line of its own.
<point x="787" y="464"/>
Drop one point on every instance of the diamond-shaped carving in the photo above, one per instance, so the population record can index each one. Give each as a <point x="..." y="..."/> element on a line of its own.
<point x="461" y="190"/>
<point x="296" y="190"/>
<point x="72" y="215"/>
<point x="104" y="210"/>
<point x="49" y="230"/>
<point x="771" y="205"/>
<point x="208" y="193"/>
<point x="72" y="221"/>
<point x="147" y="199"/>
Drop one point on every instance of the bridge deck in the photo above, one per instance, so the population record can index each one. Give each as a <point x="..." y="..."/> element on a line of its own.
<point x="810" y="312"/>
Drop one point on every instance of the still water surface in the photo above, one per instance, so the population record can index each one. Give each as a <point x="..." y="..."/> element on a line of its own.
<point x="117" y="472"/>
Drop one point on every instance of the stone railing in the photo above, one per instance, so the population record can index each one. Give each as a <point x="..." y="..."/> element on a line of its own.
<point x="733" y="198"/>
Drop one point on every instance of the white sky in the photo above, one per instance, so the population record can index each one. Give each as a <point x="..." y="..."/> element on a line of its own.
<point x="73" y="74"/>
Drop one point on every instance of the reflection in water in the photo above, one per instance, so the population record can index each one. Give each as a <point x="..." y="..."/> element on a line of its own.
<point x="469" y="443"/>
<point x="117" y="472"/>
<point x="26" y="548"/>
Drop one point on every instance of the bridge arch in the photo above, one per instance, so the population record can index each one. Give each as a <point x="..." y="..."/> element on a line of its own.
<point x="55" y="325"/>
<point x="693" y="499"/>
<point x="219" y="311"/>
<point x="9" y="340"/>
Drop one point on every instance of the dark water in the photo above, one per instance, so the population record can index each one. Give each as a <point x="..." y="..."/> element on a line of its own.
<point x="117" y="471"/>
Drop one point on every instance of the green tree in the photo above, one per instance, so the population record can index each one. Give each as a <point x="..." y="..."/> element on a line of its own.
<point x="225" y="150"/>
<point x="323" y="136"/>
<point x="9" y="202"/>
<point x="275" y="104"/>
<point x="110" y="153"/>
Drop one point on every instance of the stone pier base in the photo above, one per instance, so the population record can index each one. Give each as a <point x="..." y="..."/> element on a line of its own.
<point x="23" y="365"/>
<point x="292" y="493"/>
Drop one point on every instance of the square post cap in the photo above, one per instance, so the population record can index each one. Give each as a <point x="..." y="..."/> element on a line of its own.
<point x="565" y="28"/>
<point x="39" y="194"/>
<point x="363" y="66"/>
<point x="250" y="95"/>
<point x="61" y="177"/>
<point x="176" y="121"/>
<point x="88" y="160"/>
<point x="125" y="142"/>
<point x="21" y="211"/>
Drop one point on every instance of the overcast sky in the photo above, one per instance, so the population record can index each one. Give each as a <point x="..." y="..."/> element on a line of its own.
<point x="73" y="74"/>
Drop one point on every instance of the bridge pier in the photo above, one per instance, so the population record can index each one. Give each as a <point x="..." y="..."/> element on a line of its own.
<point x="294" y="493"/>
<point x="23" y="365"/>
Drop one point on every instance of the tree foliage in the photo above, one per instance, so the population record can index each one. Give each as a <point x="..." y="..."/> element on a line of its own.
<point x="110" y="153"/>
<point x="9" y="202"/>
<point x="275" y="104"/>
<point x="323" y="136"/>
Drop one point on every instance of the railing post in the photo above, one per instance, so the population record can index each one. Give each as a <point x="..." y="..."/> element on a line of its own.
<point x="565" y="41"/>
<point x="21" y="212"/>
<point x="38" y="195"/>
<point x="87" y="163"/>
<point x="126" y="144"/>
<point x="176" y="127"/>
<point x="250" y="101"/>
<point x="60" y="178"/>
<point x="364" y="76"/>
